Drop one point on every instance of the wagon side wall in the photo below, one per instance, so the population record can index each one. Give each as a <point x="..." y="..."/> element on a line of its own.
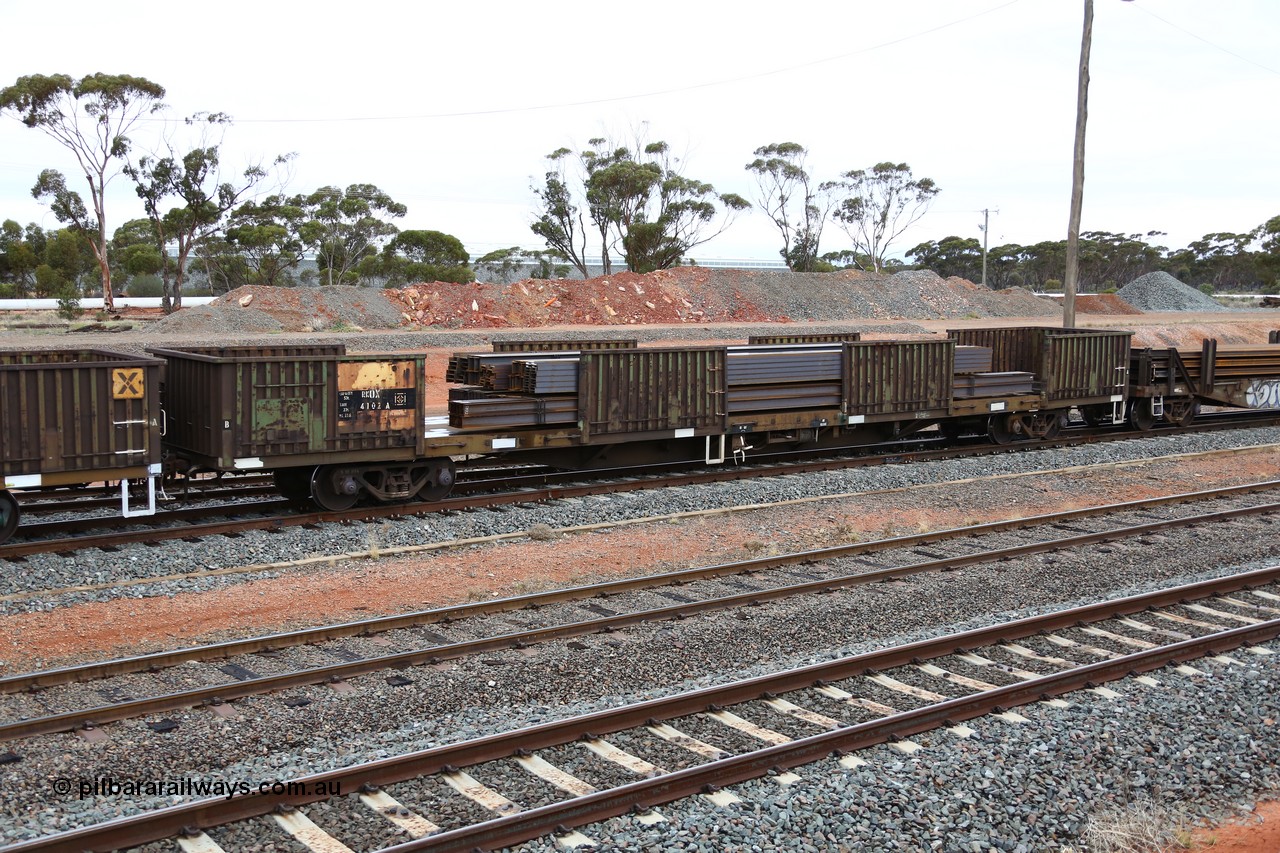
<point x="911" y="378"/>
<point x="72" y="416"/>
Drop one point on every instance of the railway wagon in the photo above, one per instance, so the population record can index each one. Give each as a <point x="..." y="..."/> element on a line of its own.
<point x="1087" y="369"/>
<point x="71" y="417"/>
<point x="1171" y="383"/>
<point x="329" y="426"/>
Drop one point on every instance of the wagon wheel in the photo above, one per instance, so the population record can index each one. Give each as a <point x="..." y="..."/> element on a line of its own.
<point x="294" y="484"/>
<point x="8" y="516"/>
<point x="443" y="474"/>
<point x="331" y="492"/>
<point x="1181" y="412"/>
<point x="1097" y="413"/>
<point x="999" y="429"/>
<point x="1141" y="415"/>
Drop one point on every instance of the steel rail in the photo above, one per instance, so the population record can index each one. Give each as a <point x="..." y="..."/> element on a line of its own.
<point x="381" y="624"/>
<point x="536" y="495"/>
<point x="167" y="822"/>
<point x="643" y="795"/>
<point x="218" y="694"/>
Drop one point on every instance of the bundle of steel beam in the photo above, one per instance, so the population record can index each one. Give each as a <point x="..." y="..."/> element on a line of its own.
<point x="511" y="411"/>
<point x="994" y="384"/>
<point x="487" y="370"/>
<point x="565" y="345"/>
<point x="545" y="376"/>
<point x="1235" y="361"/>
<point x="812" y="338"/>
<point x="973" y="360"/>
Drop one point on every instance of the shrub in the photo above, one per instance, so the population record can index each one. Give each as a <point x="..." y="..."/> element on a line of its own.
<point x="1053" y="285"/>
<point x="1206" y="289"/>
<point x="143" y="286"/>
<point x="69" y="302"/>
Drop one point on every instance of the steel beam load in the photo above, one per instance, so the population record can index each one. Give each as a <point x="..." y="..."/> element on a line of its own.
<point x="972" y="359"/>
<point x="764" y="368"/>
<point x="511" y="411"/>
<point x="1009" y="383"/>
<point x="545" y="376"/>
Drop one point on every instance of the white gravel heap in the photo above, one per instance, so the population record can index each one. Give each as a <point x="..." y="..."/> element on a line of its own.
<point x="1159" y="291"/>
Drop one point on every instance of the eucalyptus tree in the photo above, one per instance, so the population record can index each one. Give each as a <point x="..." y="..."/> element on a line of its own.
<point x="879" y="204"/>
<point x="186" y="197"/>
<point x="560" y="221"/>
<point x="790" y="197"/>
<point x="92" y="118"/>
<point x="347" y="227"/>
<point x="266" y="236"/>
<point x="417" y="256"/>
<point x="637" y="200"/>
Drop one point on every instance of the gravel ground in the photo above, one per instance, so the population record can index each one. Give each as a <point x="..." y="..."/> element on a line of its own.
<point x="52" y="572"/>
<point x="1008" y="784"/>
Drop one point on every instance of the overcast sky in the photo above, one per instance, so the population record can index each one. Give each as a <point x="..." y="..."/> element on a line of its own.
<point x="451" y="107"/>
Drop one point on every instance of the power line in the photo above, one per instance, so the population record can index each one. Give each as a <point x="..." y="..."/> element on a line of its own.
<point x="1206" y="41"/>
<point x="690" y="88"/>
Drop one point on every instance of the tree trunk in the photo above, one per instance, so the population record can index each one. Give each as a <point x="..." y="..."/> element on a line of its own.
<point x="108" y="300"/>
<point x="1077" y="176"/>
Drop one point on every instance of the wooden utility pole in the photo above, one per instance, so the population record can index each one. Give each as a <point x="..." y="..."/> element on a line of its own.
<point x="986" y="221"/>
<point x="1077" y="176"/>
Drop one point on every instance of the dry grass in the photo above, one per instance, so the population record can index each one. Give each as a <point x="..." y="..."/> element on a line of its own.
<point x="1137" y="828"/>
<point x="541" y="533"/>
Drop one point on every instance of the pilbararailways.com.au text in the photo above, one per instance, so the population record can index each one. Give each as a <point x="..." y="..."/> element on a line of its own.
<point x="109" y="786"/>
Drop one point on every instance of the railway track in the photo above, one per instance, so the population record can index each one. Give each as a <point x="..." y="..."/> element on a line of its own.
<point x="544" y="486"/>
<point x="557" y="614"/>
<point x="595" y="766"/>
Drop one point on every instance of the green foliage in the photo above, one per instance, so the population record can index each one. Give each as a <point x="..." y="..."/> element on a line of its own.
<point x="504" y="266"/>
<point x="266" y="240"/>
<point x="134" y="253"/>
<point x="192" y="180"/>
<point x="346" y="227"/>
<point x="1053" y="285"/>
<point x="20" y="254"/>
<point x="635" y="198"/>
<point x="418" y="256"/>
<point x="69" y="301"/>
<point x="145" y="286"/>
<point x="1206" y="288"/>
<point x="958" y="256"/>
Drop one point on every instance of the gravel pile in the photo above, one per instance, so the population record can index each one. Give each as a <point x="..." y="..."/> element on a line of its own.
<point x="295" y="309"/>
<point x="215" y="319"/>
<point x="1159" y="291"/>
<point x="687" y="295"/>
<point x="912" y="294"/>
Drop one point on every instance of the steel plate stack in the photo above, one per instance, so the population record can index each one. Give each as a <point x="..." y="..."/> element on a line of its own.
<point x="510" y="411"/>
<point x="973" y="360"/>
<point x="762" y="379"/>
